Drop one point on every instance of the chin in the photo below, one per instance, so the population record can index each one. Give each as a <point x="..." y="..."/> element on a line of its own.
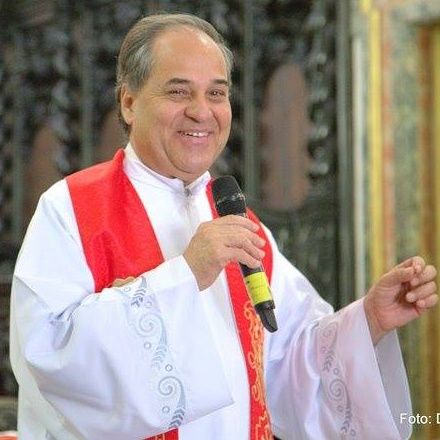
<point x="197" y="168"/>
<point x="189" y="175"/>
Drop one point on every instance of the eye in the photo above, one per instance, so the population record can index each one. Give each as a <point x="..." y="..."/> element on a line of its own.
<point x="178" y="93"/>
<point x="219" y="94"/>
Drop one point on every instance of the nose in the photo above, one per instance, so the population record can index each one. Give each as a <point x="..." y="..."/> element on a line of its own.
<point x="199" y="109"/>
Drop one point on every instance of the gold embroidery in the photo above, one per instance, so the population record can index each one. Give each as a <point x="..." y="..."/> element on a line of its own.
<point x="119" y="282"/>
<point x="262" y="429"/>
<point x="255" y="359"/>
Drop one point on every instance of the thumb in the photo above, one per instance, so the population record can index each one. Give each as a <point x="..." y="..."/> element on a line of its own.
<point x="397" y="275"/>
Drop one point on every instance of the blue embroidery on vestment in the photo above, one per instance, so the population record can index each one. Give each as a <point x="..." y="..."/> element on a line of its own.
<point x="334" y="385"/>
<point x="146" y="321"/>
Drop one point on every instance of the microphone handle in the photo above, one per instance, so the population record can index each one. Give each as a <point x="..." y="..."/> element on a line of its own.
<point x="261" y="296"/>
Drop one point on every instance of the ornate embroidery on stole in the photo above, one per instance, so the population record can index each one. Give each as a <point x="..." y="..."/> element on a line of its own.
<point x="262" y="429"/>
<point x="251" y="333"/>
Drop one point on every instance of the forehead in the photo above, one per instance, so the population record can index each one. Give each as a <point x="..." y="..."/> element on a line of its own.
<point x="182" y="50"/>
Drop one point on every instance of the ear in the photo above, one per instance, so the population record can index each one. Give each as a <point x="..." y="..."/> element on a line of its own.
<point x="127" y="104"/>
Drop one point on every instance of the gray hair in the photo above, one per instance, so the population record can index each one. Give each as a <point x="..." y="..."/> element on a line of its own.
<point x="135" y="59"/>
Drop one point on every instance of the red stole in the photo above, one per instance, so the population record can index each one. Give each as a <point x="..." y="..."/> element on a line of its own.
<point x="119" y="241"/>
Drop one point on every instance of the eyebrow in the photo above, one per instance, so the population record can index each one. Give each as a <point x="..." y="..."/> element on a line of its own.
<point x="219" y="81"/>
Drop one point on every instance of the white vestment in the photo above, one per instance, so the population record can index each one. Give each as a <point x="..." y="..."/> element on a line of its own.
<point x="84" y="362"/>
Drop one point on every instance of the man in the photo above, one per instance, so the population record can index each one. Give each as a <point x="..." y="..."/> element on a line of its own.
<point x="129" y="320"/>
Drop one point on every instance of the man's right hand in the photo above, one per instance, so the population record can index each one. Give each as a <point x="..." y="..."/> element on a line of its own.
<point x="216" y="243"/>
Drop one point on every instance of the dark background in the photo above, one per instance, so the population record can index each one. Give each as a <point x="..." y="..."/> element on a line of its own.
<point x="57" y="114"/>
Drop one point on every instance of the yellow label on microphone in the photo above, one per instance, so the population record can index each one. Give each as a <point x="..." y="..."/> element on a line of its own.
<point x="258" y="287"/>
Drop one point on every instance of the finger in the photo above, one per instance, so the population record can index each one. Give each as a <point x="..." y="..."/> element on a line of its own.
<point x="419" y="265"/>
<point x="241" y="256"/>
<point x="428" y="274"/>
<point x="421" y="292"/>
<point x="234" y="235"/>
<point x="397" y="276"/>
<point x="417" y="262"/>
<point x="406" y="263"/>
<point x="428" y="302"/>
<point x="251" y="244"/>
<point x="237" y="220"/>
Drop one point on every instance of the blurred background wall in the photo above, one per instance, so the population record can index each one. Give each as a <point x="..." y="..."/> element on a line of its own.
<point x="335" y="139"/>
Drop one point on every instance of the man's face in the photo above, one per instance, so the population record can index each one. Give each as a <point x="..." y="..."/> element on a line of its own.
<point x="181" y="118"/>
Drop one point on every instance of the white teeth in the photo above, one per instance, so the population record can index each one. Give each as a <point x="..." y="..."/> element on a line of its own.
<point x="196" y="133"/>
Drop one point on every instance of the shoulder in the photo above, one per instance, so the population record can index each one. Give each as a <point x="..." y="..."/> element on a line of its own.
<point x="56" y="196"/>
<point x="94" y="175"/>
<point x="54" y="210"/>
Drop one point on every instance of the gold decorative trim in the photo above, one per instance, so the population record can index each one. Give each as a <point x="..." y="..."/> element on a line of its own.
<point x="375" y="140"/>
<point x="366" y="5"/>
<point x="435" y="75"/>
<point x="434" y="315"/>
<point x="377" y="262"/>
<point x="430" y="216"/>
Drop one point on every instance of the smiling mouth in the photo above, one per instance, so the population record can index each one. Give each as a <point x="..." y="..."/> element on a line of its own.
<point x="195" y="134"/>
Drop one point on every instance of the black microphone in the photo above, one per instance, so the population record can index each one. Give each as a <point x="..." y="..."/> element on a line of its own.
<point x="229" y="199"/>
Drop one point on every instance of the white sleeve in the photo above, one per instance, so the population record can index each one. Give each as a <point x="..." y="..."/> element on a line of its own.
<point x="324" y="377"/>
<point x="118" y="365"/>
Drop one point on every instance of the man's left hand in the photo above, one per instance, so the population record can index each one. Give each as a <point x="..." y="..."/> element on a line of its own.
<point x="401" y="295"/>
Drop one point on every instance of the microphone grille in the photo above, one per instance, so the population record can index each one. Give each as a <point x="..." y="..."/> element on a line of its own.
<point x="228" y="197"/>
